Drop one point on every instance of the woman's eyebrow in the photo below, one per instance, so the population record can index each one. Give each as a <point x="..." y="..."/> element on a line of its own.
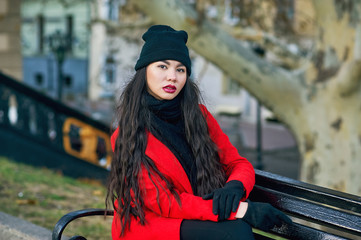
<point x="168" y="63"/>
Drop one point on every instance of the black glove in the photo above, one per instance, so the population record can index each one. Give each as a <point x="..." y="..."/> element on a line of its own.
<point x="226" y="199"/>
<point x="264" y="216"/>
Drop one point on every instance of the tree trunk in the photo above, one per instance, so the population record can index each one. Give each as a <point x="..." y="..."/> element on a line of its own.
<point x="329" y="140"/>
<point x="320" y="103"/>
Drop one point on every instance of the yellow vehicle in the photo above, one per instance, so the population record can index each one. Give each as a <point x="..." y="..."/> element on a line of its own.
<point x="86" y="142"/>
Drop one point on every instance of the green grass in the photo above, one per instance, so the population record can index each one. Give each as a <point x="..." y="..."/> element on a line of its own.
<point x="269" y="235"/>
<point x="42" y="196"/>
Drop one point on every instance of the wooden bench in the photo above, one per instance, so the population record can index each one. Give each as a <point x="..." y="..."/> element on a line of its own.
<point x="318" y="213"/>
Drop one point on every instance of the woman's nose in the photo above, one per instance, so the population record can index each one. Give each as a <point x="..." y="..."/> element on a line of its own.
<point x="172" y="76"/>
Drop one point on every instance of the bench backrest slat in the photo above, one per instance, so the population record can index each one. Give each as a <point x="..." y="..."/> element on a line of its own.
<point x="310" y="211"/>
<point x="308" y="191"/>
<point x="324" y="207"/>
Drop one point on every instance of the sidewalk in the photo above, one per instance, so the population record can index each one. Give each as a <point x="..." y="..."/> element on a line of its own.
<point x="279" y="148"/>
<point x="12" y="228"/>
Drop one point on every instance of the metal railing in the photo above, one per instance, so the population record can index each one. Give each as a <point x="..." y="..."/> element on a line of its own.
<point x="41" y="120"/>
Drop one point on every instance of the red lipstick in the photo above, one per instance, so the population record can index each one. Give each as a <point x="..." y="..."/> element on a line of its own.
<point x="169" y="89"/>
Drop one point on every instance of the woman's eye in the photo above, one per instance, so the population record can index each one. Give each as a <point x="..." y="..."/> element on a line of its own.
<point x="181" y="70"/>
<point x="162" y="66"/>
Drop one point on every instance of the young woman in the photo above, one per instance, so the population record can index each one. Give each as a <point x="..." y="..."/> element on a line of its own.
<point x="175" y="175"/>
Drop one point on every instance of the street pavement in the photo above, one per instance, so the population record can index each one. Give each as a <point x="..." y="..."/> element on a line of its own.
<point x="12" y="228"/>
<point x="279" y="153"/>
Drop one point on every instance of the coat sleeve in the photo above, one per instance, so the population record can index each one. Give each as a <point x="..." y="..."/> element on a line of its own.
<point x="236" y="167"/>
<point x="158" y="199"/>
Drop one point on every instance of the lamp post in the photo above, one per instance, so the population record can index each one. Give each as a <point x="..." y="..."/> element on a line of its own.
<point x="60" y="45"/>
<point x="259" y="163"/>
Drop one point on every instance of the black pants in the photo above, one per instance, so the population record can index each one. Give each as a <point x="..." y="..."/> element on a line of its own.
<point x="225" y="230"/>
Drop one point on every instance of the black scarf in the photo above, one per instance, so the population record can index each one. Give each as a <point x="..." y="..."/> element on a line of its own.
<point x="168" y="126"/>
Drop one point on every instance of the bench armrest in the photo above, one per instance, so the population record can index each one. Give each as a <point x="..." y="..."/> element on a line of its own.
<point x="66" y="219"/>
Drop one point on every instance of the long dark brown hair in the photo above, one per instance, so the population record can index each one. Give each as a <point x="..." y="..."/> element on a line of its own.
<point x="129" y="155"/>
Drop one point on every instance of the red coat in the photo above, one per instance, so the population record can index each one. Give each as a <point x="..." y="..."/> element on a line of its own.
<point x="165" y="223"/>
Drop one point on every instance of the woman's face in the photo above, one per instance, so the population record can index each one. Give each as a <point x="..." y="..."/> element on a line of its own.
<point x="165" y="79"/>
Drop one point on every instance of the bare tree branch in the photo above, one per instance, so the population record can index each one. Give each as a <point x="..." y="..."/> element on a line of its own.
<point x="288" y="57"/>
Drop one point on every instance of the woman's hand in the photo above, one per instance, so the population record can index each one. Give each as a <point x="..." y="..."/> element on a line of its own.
<point x="226" y="199"/>
<point x="262" y="215"/>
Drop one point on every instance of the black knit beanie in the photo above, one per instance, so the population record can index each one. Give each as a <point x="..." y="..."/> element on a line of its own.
<point x="164" y="43"/>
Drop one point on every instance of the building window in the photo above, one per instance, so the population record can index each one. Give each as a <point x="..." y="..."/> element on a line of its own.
<point x="39" y="79"/>
<point x="113" y="10"/>
<point x="68" y="81"/>
<point x="110" y="70"/>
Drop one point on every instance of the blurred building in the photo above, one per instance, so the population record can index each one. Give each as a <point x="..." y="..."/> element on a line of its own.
<point x="10" y="51"/>
<point x="89" y="69"/>
<point x="52" y="30"/>
<point x="111" y="55"/>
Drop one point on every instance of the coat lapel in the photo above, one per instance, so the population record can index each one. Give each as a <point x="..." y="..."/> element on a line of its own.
<point x="167" y="163"/>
